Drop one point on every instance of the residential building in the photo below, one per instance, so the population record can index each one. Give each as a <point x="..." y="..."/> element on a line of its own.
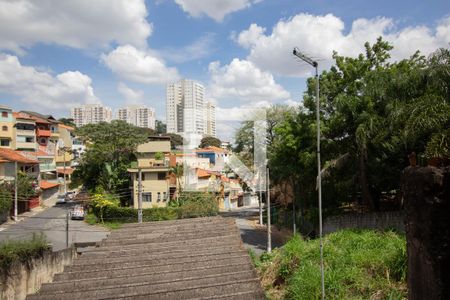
<point x="185" y="107"/>
<point x="217" y="157"/>
<point x="156" y="184"/>
<point x="90" y="114"/>
<point x="138" y="115"/>
<point x="7" y="136"/>
<point x="24" y="132"/>
<point x="210" y="119"/>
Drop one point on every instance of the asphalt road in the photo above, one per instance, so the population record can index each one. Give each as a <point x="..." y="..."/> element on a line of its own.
<point x="253" y="237"/>
<point x="52" y="222"/>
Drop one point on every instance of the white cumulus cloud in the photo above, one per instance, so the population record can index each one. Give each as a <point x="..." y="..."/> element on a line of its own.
<point x="139" y="65"/>
<point x="318" y="36"/>
<point x="80" y="24"/>
<point x="131" y="96"/>
<point x="42" y="89"/>
<point x="242" y="80"/>
<point x="215" y="9"/>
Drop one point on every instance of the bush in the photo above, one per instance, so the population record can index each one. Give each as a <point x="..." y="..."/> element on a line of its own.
<point x="5" y="200"/>
<point x="21" y="251"/>
<point x="190" y="205"/>
<point x="358" y="264"/>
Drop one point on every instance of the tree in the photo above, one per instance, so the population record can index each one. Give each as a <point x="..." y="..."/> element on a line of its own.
<point x="175" y="140"/>
<point x="111" y="148"/>
<point x="178" y="171"/>
<point x="160" y="127"/>
<point x="210" y="141"/>
<point x="67" y="121"/>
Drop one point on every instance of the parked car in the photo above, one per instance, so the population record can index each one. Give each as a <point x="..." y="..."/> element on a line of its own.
<point x="77" y="212"/>
<point x="61" y="199"/>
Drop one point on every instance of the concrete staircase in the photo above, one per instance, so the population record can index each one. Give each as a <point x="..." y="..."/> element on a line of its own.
<point x="199" y="258"/>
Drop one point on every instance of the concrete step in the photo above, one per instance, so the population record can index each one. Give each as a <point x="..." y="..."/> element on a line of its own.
<point x="158" y="238"/>
<point x="152" y="262"/>
<point x="206" y="241"/>
<point x="161" y="269"/>
<point x="85" y="285"/>
<point x="160" y="248"/>
<point x="188" y="222"/>
<point x="183" y="289"/>
<point x="87" y="261"/>
<point x="161" y="253"/>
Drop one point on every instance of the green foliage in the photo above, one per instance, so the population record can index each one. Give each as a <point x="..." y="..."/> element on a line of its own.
<point x="373" y="113"/>
<point x="23" y="251"/>
<point x="67" y="121"/>
<point x="358" y="264"/>
<point x="190" y="205"/>
<point x="110" y="150"/>
<point x="175" y="140"/>
<point x="159" y="156"/>
<point x="210" y="141"/>
<point x="5" y="199"/>
<point x="160" y="127"/>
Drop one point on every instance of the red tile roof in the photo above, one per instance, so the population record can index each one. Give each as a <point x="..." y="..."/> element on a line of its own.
<point x="21" y="115"/>
<point x="45" y="185"/>
<point x="66" y="127"/>
<point x="14" y="156"/>
<point x="69" y="170"/>
<point x="212" y="149"/>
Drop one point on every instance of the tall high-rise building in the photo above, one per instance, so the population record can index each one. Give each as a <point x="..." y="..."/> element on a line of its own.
<point x="210" y="111"/>
<point x="185" y="107"/>
<point x="90" y="114"/>
<point x="138" y="115"/>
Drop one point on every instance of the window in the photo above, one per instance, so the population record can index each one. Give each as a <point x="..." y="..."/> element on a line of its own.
<point x="4" y="142"/>
<point x="5" y="128"/>
<point x="159" y="197"/>
<point x="147" y="197"/>
<point x="29" y="139"/>
<point x="4" y="114"/>
<point x="161" y="176"/>
<point x="164" y="196"/>
<point x="43" y="141"/>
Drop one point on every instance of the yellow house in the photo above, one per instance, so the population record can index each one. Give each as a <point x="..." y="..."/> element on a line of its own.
<point x="6" y="128"/>
<point x="63" y="134"/>
<point x="154" y="167"/>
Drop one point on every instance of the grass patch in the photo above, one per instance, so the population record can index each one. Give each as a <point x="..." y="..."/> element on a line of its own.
<point x="91" y="219"/>
<point x="359" y="264"/>
<point x="23" y="251"/>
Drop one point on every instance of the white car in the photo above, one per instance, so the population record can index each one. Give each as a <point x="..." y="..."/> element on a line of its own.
<point x="61" y="199"/>
<point x="77" y="213"/>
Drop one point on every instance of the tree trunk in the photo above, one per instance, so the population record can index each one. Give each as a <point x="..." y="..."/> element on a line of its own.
<point x="364" y="183"/>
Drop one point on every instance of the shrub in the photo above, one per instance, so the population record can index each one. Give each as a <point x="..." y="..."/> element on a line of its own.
<point x="358" y="264"/>
<point x="5" y="200"/>
<point x="190" y="205"/>
<point x="21" y="251"/>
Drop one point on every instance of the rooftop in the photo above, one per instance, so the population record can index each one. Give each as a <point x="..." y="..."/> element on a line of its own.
<point x="15" y="156"/>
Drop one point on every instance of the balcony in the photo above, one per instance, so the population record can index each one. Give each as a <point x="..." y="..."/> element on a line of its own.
<point x="43" y="133"/>
<point x="6" y="134"/>
<point x="25" y="145"/>
<point x="47" y="167"/>
<point x="28" y="132"/>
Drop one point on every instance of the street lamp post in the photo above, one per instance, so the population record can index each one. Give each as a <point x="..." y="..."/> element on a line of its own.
<point x="314" y="63"/>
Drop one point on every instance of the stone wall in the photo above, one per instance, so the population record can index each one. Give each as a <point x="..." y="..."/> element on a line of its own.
<point x="375" y="220"/>
<point x="426" y="193"/>
<point x="23" y="279"/>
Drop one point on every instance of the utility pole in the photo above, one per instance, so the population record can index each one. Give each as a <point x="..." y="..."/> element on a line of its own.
<point x="139" y="195"/>
<point x="269" y="230"/>
<point x="67" y="229"/>
<point x="313" y="63"/>
<point x="260" y="203"/>
<point x="15" y="191"/>
<point x="64" y="170"/>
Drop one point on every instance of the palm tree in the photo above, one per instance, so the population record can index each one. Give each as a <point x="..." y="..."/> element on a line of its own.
<point x="178" y="171"/>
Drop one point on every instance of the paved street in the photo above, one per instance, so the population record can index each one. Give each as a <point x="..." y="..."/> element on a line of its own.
<point x="253" y="236"/>
<point x="52" y="222"/>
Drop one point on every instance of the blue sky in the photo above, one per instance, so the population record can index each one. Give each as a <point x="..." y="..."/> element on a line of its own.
<point x="56" y="54"/>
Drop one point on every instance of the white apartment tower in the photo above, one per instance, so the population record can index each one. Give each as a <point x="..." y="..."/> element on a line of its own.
<point x="140" y="116"/>
<point x="185" y="107"/>
<point x="210" y="111"/>
<point x="90" y="114"/>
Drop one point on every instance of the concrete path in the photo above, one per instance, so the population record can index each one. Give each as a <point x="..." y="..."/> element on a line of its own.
<point x="253" y="235"/>
<point x="52" y="222"/>
<point x="200" y="258"/>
